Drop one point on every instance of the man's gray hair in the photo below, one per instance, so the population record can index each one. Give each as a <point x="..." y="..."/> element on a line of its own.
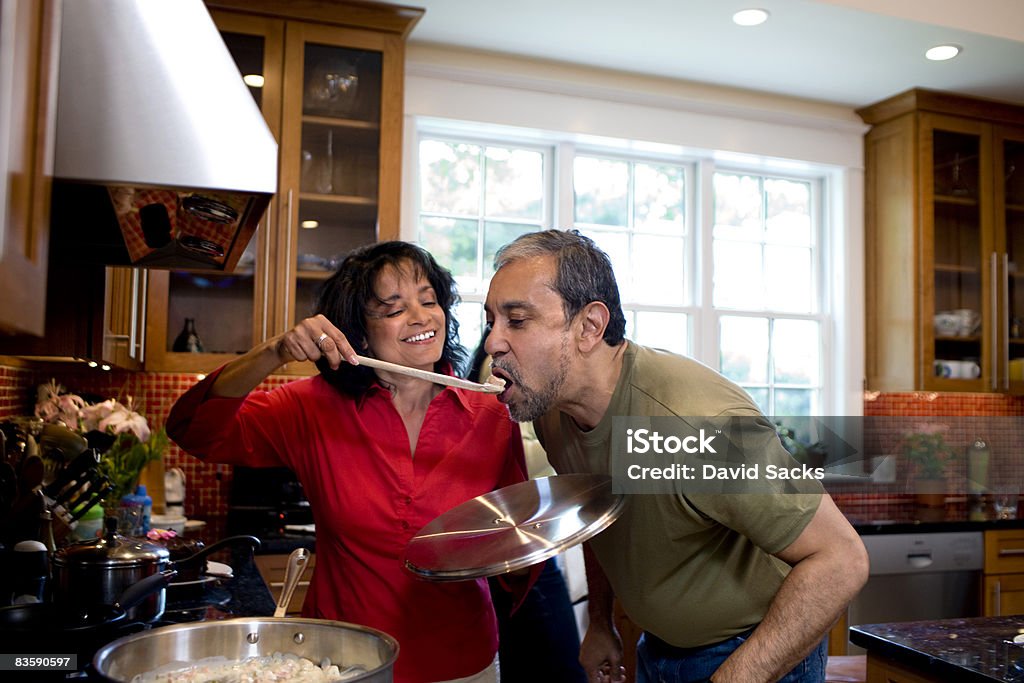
<point x="583" y="273"/>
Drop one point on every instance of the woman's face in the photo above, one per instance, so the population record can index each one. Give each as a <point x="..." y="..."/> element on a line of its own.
<point x="409" y="327"/>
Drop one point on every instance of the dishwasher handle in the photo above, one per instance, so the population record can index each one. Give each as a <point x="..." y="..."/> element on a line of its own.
<point x="919" y="560"/>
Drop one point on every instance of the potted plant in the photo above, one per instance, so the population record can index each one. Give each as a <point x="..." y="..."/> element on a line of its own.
<point x="928" y="453"/>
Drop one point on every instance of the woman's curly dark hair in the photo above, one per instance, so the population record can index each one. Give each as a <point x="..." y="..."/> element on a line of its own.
<point x="344" y="298"/>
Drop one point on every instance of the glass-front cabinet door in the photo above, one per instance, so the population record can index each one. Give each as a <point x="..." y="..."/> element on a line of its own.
<point x="332" y="94"/>
<point x="198" y="319"/>
<point x="959" y="300"/>
<point x="1009" y="210"/>
<point x="340" y="87"/>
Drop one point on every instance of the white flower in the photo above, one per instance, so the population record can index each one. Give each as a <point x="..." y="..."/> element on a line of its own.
<point x="124" y="420"/>
<point x="110" y="416"/>
<point x="55" y="406"/>
<point x="115" y="418"/>
<point x="93" y="415"/>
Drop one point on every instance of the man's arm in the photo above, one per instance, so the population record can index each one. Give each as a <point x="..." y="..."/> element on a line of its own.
<point x="830" y="565"/>
<point x="601" y="650"/>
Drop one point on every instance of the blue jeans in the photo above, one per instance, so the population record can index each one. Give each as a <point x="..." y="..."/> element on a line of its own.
<point x="659" y="662"/>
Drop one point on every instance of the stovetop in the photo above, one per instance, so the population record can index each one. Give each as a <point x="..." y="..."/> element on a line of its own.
<point x="205" y="603"/>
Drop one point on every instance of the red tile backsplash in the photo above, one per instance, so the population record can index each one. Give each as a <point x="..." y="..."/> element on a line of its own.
<point x="208" y="485"/>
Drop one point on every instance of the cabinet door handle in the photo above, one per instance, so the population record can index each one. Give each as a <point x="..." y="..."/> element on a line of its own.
<point x="1011" y="552"/>
<point x="994" y="363"/>
<point x="266" y="270"/>
<point x="143" y="313"/>
<point x="999" y="598"/>
<point x="288" y="266"/>
<point x="1005" y="322"/>
<point x="133" y="325"/>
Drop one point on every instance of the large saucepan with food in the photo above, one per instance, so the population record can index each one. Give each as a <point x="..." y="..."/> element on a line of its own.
<point x="342" y="651"/>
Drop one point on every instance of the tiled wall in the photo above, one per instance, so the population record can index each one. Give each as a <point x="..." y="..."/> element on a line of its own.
<point x="209" y="485"/>
<point x="893" y="502"/>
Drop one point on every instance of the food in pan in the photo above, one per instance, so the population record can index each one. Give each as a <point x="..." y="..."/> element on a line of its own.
<point x="278" y="667"/>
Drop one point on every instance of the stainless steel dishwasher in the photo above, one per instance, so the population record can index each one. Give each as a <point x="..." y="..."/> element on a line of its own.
<point x="920" y="576"/>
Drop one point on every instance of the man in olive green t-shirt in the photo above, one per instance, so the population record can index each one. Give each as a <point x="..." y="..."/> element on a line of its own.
<point x="727" y="587"/>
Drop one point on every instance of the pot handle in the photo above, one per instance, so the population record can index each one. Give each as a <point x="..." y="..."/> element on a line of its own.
<point x="214" y="547"/>
<point x="140" y="590"/>
<point x="296" y="565"/>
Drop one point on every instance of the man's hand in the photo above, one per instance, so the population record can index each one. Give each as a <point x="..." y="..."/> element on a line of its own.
<point x="601" y="655"/>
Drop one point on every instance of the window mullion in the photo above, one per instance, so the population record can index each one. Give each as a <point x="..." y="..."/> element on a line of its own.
<point x="707" y="340"/>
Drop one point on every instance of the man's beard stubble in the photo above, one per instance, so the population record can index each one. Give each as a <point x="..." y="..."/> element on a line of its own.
<point x="535" y="403"/>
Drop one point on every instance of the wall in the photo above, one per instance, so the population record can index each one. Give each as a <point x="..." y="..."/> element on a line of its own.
<point x="893" y="503"/>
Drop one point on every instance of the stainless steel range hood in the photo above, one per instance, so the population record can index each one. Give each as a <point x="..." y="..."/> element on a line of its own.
<point x="162" y="157"/>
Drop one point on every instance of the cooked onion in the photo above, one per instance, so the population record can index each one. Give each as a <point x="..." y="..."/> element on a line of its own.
<point x="274" y="668"/>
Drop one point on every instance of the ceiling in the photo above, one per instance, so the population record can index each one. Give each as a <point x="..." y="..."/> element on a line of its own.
<point x="846" y="52"/>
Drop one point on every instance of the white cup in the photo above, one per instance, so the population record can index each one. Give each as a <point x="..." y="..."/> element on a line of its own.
<point x="957" y="369"/>
<point x="967" y="369"/>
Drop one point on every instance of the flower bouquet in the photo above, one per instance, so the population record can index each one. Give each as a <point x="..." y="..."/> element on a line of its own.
<point x="117" y="430"/>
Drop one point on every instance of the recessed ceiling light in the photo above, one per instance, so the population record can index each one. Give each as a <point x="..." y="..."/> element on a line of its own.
<point x="941" y="53"/>
<point x="750" y="17"/>
<point x="254" y="80"/>
<point x="309" y="225"/>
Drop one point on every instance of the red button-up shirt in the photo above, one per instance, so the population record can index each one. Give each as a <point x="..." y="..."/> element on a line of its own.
<point x="369" y="496"/>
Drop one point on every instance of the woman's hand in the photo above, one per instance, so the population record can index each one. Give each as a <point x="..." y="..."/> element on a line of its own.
<point x="312" y="339"/>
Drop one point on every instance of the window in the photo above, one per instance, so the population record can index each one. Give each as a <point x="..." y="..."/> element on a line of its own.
<point x="635" y="211"/>
<point x="737" y="286"/>
<point x="475" y="197"/>
<point x="765" y="290"/>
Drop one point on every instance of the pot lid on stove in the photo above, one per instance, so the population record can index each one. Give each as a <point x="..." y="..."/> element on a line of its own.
<point x="112" y="550"/>
<point x="514" y="527"/>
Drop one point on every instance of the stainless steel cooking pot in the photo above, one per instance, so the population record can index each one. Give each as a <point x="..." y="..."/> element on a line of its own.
<point x="98" y="571"/>
<point x="365" y="654"/>
<point x="345" y="645"/>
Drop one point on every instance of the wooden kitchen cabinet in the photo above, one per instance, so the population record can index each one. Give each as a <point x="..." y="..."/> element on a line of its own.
<point x="92" y="313"/>
<point x="944" y="244"/>
<point x="272" y="569"/>
<point x="28" y="91"/>
<point x="882" y="670"/>
<point x="332" y="95"/>
<point x="1004" y="573"/>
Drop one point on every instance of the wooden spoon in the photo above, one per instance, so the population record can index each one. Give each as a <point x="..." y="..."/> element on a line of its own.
<point x="492" y="385"/>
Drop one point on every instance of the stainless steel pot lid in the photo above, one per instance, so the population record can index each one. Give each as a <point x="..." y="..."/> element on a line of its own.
<point x="112" y="550"/>
<point x="514" y="527"/>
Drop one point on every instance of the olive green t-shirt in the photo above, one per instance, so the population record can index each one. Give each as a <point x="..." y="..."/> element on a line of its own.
<point x="693" y="568"/>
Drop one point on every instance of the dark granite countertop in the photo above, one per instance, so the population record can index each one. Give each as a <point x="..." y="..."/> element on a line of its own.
<point x="277" y="544"/>
<point x="914" y="527"/>
<point x="970" y="650"/>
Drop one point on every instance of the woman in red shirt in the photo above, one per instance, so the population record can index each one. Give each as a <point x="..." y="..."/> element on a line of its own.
<point x="379" y="455"/>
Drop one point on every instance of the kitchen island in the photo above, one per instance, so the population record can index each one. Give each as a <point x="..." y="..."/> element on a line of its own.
<point x="979" y="650"/>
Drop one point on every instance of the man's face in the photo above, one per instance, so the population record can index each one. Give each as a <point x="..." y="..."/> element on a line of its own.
<point x="529" y="340"/>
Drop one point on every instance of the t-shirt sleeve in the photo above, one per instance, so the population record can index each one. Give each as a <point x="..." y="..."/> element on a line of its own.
<point x="773" y="510"/>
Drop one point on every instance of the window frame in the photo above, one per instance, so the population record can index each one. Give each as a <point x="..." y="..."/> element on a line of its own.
<point x="699" y="166"/>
